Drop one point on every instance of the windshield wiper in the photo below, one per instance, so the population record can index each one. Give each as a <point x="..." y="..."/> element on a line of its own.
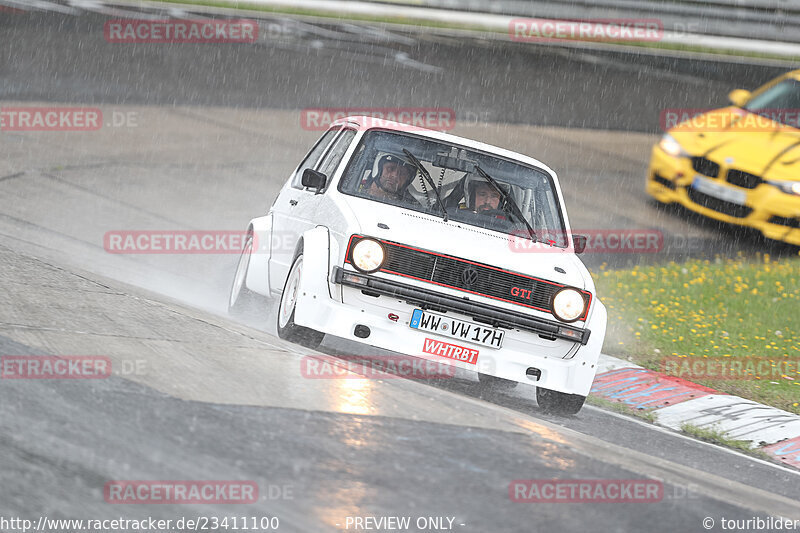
<point x="428" y="177"/>
<point x="510" y="203"/>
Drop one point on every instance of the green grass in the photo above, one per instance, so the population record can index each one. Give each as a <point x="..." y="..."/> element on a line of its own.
<point x="716" y="436"/>
<point x="622" y="408"/>
<point x="722" y="309"/>
<point x="333" y="15"/>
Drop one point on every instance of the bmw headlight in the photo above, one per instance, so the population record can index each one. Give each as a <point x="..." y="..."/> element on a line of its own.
<point x="671" y="147"/>
<point x="568" y="305"/>
<point x="368" y="255"/>
<point x="789" y="187"/>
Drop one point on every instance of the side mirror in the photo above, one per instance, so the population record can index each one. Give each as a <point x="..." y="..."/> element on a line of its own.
<point x="579" y="241"/>
<point x="739" y="97"/>
<point x="313" y="179"/>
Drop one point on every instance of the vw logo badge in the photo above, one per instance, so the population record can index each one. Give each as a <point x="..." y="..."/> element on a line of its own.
<point x="728" y="160"/>
<point x="469" y="277"/>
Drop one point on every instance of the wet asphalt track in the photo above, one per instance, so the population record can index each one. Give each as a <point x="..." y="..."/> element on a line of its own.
<point x="217" y="133"/>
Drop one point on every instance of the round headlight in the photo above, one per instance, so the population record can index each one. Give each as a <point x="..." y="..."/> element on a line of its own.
<point x="368" y="255"/>
<point x="568" y="305"/>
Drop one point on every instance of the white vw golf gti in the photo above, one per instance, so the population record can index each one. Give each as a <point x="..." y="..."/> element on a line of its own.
<point x="433" y="246"/>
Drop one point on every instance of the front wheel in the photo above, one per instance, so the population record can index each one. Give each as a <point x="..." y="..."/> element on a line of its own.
<point x="287" y="329"/>
<point x="559" y="403"/>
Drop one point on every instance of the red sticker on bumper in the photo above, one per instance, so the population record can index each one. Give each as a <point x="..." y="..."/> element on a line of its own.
<point x="451" y="351"/>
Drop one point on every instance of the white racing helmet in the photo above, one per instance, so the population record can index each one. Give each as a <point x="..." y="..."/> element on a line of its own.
<point x="473" y="180"/>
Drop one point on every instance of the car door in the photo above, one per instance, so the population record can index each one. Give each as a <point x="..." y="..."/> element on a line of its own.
<point x="313" y="209"/>
<point x="310" y="210"/>
<point x="287" y="220"/>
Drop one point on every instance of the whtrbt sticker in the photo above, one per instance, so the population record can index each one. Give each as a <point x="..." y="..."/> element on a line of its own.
<point x="451" y="351"/>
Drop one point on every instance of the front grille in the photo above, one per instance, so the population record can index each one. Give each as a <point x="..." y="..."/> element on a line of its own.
<point x="721" y="206"/>
<point x="743" y="179"/>
<point x="488" y="281"/>
<point x="705" y="166"/>
<point x="785" y="221"/>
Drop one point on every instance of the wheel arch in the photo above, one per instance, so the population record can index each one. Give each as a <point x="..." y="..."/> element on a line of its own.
<point x="316" y="248"/>
<point x="257" y="279"/>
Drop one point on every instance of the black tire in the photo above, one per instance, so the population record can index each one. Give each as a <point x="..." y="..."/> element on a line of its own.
<point x="559" y="403"/>
<point x="240" y="298"/>
<point x="287" y="329"/>
<point x="494" y="383"/>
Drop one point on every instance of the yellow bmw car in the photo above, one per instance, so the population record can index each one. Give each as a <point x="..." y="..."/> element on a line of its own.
<point x="739" y="164"/>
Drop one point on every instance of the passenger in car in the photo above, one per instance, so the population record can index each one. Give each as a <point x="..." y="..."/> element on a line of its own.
<point x="480" y="197"/>
<point x="486" y="198"/>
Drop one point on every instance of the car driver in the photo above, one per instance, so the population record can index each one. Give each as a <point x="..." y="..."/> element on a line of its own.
<point x="394" y="176"/>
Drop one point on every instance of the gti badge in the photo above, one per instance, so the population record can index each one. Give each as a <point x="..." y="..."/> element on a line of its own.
<point x="519" y="292"/>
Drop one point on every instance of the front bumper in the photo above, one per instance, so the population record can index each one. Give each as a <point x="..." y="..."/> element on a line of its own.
<point x="774" y="213"/>
<point x="326" y="304"/>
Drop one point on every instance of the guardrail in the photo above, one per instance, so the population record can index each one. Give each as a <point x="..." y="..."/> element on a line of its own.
<point x="770" y="20"/>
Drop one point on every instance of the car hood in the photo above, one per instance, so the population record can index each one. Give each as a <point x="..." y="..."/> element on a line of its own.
<point x="433" y="234"/>
<point x="765" y="148"/>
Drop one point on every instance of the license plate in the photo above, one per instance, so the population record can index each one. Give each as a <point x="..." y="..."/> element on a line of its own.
<point x="457" y="329"/>
<point x="723" y="192"/>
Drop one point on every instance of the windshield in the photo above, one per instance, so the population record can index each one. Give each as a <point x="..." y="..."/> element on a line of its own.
<point x="779" y="103"/>
<point x="381" y="171"/>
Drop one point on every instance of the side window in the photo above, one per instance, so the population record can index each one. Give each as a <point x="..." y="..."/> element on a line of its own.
<point x="313" y="156"/>
<point x="334" y="156"/>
